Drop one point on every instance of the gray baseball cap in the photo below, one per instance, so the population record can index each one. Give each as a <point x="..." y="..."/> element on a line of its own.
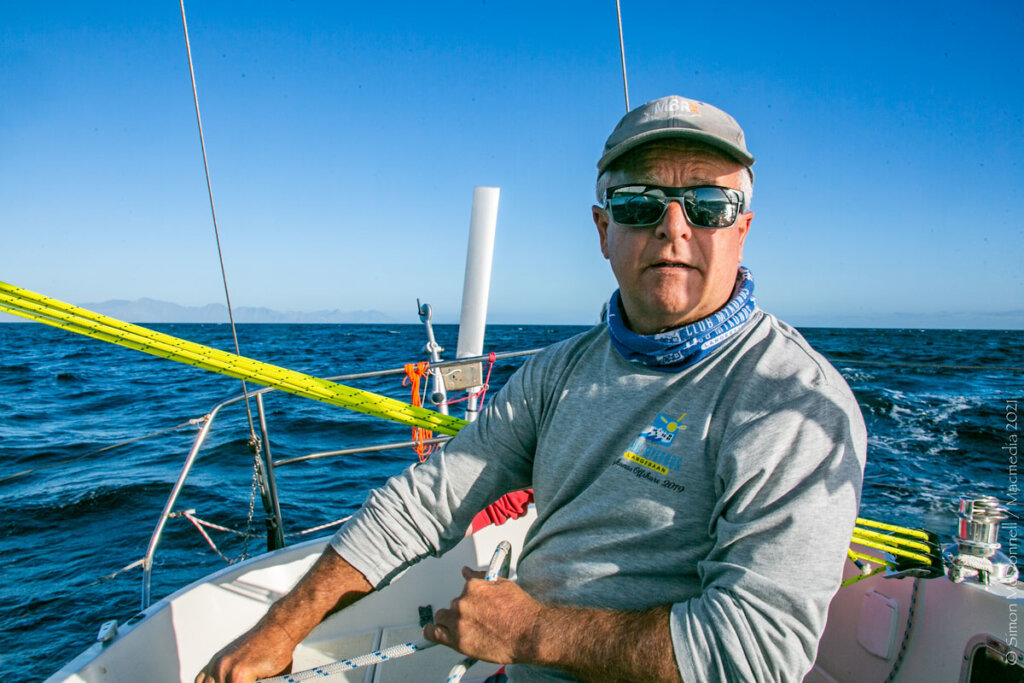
<point x="676" y="117"/>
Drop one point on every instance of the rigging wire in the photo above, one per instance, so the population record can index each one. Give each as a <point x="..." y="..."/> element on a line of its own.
<point x="622" y="53"/>
<point x="253" y="439"/>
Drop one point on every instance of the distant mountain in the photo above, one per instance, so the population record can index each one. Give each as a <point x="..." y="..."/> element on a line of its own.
<point x="153" y="311"/>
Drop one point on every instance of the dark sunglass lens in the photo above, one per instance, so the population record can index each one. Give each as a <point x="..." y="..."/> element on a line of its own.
<point x="629" y="208"/>
<point x="710" y="207"/>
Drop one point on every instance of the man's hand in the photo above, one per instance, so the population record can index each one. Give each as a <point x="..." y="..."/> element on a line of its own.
<point x="260" y="653"/>
<point x="491" y="620"/>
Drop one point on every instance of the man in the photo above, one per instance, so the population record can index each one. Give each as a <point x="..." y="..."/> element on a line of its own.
<point x="696" y="466"/>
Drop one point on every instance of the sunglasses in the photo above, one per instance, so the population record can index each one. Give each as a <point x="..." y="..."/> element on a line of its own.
<point x="705" y="206"/>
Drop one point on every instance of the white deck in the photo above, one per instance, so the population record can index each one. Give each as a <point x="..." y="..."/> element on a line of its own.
<point x="179" y="634"/>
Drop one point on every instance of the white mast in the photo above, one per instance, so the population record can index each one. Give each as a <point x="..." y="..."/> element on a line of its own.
<point x="477" y="285"/>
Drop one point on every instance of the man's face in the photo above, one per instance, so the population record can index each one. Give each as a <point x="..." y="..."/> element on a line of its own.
<point x="672" y="274"/>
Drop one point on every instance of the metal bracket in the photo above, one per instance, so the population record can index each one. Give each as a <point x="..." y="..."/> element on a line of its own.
<point x="461" y="377"/>
<point x="108" y="631"/>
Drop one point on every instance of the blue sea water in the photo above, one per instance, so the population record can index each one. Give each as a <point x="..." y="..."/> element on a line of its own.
<point x="940" y="405"/>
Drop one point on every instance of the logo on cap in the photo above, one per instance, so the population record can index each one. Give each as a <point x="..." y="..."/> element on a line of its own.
<point x="671" y="107"/>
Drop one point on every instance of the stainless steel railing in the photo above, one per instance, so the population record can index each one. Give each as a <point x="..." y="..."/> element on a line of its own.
<point x="266" y="464"/>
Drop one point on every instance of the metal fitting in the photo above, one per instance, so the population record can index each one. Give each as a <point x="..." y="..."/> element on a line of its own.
<point x="976" y="554"/>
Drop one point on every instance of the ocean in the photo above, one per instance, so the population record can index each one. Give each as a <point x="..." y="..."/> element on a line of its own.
<point x="941" y="407"/>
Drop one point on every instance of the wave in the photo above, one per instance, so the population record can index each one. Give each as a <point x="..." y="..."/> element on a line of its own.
<point x="71" y="501"/>
<point x="6" y="370"/>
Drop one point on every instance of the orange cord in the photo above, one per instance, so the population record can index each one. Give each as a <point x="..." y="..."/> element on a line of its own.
<point x="414" y="372"/>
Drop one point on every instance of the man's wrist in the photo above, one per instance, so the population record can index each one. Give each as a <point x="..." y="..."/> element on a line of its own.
<point x="550" y="637"/>
<point x="279" y="618"/>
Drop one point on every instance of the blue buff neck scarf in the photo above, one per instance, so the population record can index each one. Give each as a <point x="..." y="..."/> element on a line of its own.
<point x="678" y="349"/>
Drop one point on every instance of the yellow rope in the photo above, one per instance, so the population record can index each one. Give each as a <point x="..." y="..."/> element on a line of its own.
<point x="892" y="550"/>
<point x="854" y="555"/>
<point x="897" y="544"/>
<point x="65" y="316"/>
<point x="917" y="533"/>
<point x="888" y="538"/>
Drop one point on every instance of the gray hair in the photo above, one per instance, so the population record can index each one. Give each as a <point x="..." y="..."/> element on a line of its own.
<point x="630" y="161"/>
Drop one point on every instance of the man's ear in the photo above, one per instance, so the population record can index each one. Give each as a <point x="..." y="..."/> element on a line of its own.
<point x="743" y="225"/>
<point x="601" y="221"/>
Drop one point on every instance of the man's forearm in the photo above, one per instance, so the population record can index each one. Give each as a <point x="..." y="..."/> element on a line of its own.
<point x="605" y="645"/>
<point x="330" y="585"/>
<point x="266" y="649"/>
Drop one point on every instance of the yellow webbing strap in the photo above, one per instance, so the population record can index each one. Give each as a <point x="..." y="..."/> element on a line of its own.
<point x="26" y="304"/>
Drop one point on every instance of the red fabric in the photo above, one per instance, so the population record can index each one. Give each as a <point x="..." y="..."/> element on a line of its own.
<point x="510" y="506"/>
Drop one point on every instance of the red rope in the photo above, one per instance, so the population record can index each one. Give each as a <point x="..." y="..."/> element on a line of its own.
<point x="483" y="390"/>
<point x="487" y="381"/>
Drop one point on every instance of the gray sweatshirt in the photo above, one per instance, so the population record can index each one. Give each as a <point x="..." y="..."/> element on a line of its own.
<point x="728" y="490"/>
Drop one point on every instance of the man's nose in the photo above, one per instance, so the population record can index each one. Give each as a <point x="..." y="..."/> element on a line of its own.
<point x="673" y="224"/>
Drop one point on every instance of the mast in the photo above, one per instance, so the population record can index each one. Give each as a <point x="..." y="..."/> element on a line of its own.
<point x="477" y="284"/>
<point x="622" y="54"/>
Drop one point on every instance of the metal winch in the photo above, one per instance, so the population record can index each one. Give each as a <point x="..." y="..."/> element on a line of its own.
<point x="976" y="553"/>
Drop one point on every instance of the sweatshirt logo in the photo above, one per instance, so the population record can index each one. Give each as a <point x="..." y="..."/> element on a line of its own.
<point x="648" y="456"/>
<point x="664" y="429"/>
<point x="648" y="449"/>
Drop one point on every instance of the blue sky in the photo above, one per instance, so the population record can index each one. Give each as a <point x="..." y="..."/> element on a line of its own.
<point x="345" y="140"/>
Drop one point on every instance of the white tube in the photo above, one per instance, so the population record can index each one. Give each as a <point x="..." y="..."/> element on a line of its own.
<point x="477" y="285"/>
